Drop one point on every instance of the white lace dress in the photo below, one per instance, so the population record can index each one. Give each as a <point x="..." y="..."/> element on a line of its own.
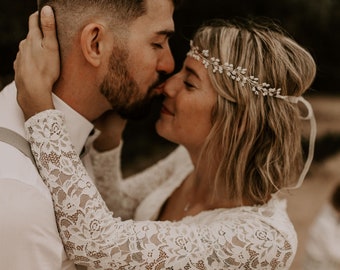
<point x="257" y="237"/>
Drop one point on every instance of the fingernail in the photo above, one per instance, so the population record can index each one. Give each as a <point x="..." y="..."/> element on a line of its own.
<point x="47" y="11"/>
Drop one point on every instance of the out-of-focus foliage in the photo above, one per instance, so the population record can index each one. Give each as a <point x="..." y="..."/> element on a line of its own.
<point x="313" y="23"/>
<point x="13" y="28"/>
<point x="13" y="20"/>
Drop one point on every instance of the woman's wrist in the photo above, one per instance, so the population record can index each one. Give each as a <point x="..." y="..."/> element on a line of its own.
<point x="31" y="105"/>
<point x="37" y="109"/>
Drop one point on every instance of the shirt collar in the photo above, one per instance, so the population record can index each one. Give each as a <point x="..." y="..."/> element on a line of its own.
<point x="12" y="117"/>
<point x="78" y="126"/>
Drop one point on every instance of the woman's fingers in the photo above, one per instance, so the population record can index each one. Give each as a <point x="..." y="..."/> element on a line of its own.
<point x="33" y="26"/>
<point x="38" y="58"/>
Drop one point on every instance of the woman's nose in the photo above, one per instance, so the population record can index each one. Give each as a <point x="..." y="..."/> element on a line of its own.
<point x="171" y="86"/>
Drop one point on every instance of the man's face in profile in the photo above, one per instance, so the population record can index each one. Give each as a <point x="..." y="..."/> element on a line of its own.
<point x="136" y="70"/>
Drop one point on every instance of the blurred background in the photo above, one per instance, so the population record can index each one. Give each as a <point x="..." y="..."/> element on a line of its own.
<point x="313" y="23"/>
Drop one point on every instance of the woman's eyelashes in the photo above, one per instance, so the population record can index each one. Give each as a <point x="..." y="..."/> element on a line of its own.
<point x="188" y="85"/>
<point x="189" y="82"/>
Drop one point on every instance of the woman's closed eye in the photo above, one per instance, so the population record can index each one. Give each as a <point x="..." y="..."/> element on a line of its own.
<point x="189" y="85"/>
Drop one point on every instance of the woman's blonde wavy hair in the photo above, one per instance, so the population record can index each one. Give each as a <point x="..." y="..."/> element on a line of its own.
<point x="255" y="142"/>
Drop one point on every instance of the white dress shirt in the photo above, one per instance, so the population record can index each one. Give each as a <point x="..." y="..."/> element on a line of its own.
<point x="29" y="237"/>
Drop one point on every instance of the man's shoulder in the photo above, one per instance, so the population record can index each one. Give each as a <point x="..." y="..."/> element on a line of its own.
<point x="15" y="165"/>
<point x="9" y="87"/>
<point x="7" y="96"/>
<point x="28" y="223"/>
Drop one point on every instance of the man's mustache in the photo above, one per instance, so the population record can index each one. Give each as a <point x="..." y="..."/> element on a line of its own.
<point x="162" y="77"/>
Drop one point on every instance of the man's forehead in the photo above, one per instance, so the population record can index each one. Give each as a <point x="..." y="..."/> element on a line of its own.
<point x="159" y="10"/>
<point x="156" y="23"/>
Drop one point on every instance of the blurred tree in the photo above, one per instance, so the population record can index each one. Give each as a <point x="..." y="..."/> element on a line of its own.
<point x="313" y="23"/>
<point x="13" y="28"/>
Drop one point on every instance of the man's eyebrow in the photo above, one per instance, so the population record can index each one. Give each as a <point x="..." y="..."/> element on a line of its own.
<point x="167" y="33"/>
<point x="190" y="70"/>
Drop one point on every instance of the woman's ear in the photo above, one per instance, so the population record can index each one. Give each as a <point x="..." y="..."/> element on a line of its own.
<point x="92" y="43"/>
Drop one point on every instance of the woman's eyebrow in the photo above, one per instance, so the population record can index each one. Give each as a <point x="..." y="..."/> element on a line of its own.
<point x="192" y="71"/>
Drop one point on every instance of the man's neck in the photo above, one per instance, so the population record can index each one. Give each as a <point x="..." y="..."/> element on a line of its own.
<point x="81" y="96"/>
<point x="79" y="85"/>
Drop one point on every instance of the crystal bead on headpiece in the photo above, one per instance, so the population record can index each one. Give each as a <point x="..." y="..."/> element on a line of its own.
<point x="237" y="74"/>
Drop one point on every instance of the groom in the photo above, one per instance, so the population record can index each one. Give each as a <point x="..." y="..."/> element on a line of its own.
<point x="114" y="55"/>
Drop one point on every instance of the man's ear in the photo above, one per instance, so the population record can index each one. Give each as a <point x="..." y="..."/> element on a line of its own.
<point x="92" y="43"/>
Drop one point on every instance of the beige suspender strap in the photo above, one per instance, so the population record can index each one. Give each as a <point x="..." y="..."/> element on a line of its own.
<point x="11" y="137"/>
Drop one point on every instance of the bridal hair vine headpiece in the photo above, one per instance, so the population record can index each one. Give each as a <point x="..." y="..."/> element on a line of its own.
<point x="237" y="74"/>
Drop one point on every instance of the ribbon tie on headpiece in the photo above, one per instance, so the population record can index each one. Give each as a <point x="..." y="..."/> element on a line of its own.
<point x="312" y="135"/>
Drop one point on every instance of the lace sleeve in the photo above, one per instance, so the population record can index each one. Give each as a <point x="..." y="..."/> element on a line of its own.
<point x="92" y="237"/>
<point x="109" y="181"/>
<point x="123" y="195"/>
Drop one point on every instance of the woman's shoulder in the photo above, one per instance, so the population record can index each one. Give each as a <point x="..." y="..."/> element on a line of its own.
<point x="263" y="232"/>
<point x="272" y="214"/>
<point x="276" y="207"/>
<point x="271" y="217"/>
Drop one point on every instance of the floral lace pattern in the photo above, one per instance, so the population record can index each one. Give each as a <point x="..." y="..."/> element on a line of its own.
<point x="127" y="197"/>
<point x="106" y="168"/>
<point x="245" y="238"/>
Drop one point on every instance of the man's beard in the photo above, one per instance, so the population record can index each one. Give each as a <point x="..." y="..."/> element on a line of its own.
<point x="122" y="91"/>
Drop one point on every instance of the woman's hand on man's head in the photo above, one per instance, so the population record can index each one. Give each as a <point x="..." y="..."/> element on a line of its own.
<point x="37" y="64"/>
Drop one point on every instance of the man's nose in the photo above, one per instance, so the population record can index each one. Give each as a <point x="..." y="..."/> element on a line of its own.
<point x="166" y="63"/>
